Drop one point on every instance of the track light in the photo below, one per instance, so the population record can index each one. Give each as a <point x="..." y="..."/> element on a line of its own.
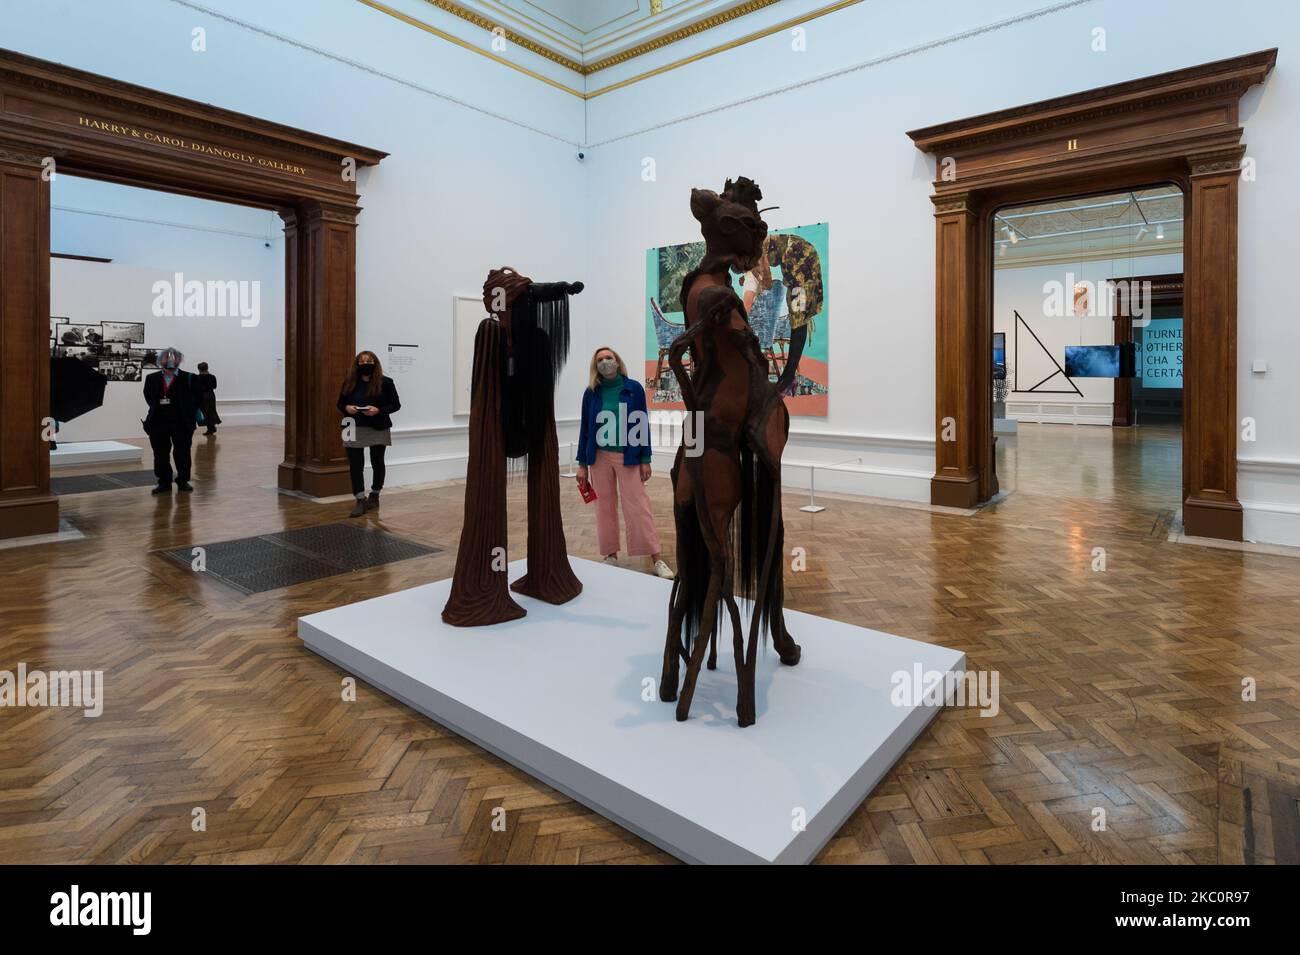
<point x="1160" y="230"/>
<point x="1142" y="230"/>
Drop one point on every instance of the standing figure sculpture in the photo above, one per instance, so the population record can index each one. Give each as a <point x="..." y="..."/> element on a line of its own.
<point x="740" y="423"/>
<point x="518" y="354"/>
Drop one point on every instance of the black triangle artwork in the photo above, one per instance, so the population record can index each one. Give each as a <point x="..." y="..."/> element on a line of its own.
<point x="1038" y="388"/>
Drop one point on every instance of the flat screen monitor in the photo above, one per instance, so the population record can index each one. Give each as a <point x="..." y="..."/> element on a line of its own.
<point x="1100" y="361"/>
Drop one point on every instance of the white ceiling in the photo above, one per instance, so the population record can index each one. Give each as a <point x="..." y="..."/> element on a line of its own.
<point x="1145" y="222"/>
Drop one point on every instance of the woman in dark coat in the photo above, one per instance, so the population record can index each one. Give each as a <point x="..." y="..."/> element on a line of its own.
<point x="368" y="400"/>
<point x="205" y="387"/>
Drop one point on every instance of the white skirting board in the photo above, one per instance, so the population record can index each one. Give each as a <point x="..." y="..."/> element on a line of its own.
<point x="560" y="694"/>
<point x="75" y="453"/>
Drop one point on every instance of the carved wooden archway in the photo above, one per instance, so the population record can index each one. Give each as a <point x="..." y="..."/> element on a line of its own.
<point x="53" y="118"/>
<point x="1179" y="127"/>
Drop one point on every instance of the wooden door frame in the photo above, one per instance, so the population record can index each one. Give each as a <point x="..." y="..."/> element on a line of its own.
<point x="1180" y="127"/>
<point x="56" y="120"/>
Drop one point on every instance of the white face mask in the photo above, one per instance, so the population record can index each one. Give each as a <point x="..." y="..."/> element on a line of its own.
<point x="607" y="367"/>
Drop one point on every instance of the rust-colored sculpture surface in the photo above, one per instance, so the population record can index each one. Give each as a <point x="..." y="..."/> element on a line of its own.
<point x="518" y="354"/>
<point x="739" y="426"/>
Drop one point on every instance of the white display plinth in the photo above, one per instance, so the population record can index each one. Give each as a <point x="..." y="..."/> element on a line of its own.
<point x="76" y="453"/>
<point x="559" y="693"/>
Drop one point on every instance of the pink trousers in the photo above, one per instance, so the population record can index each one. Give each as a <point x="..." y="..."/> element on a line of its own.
<point x="612" y="479"/>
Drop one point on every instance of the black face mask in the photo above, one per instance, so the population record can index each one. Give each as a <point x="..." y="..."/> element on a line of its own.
<point x="366" y="369"/>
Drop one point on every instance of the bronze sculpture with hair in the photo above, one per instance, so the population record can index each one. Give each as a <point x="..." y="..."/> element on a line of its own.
<point x="727" y="499"/>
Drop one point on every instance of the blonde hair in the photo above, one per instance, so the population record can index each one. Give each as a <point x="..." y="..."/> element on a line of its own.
<point x="593" y="379"/>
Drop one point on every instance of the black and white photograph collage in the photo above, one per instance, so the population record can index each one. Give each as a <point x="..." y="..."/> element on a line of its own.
<point x="116" y="349"/>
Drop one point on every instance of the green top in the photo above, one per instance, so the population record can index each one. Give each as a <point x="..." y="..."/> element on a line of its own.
<point x="607" y="436"/>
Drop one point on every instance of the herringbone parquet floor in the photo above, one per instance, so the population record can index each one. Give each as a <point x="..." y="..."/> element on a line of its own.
<point x="1121" y="690"/>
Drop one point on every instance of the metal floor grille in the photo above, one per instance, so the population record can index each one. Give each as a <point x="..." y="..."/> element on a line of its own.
<point x="84" y="483"/>
<point x="253" y="565"/>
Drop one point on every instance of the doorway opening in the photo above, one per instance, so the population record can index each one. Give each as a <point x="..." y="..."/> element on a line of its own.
<point x="134" y="271"/>
<point x="1179" y="127"/>
<point x="58" y="121"/>
<point x="1088" y="347"/>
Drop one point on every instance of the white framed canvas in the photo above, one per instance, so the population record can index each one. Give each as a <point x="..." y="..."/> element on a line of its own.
<point x="467" y="311"/>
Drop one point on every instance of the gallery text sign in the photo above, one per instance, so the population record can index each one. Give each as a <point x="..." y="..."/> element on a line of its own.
<point x="128" y="131"/>
<point x="1162" y="353"/>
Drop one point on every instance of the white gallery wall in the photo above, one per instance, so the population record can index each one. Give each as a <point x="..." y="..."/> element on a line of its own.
<point x="483" y="173"/>
<point x="823" y="131"/>
<point x="151" y="238"/>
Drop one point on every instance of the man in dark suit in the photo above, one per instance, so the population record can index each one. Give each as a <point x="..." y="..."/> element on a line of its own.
<point x="170" y="424"/>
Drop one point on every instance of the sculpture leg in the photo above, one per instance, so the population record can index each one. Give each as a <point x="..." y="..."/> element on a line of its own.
<point x="690" y="553"/>
<point x="716" y="540"/>
<point x="479" y="593"/>
<point x="701" y="642"/>
<point x="672" y="645"/>
<point x="549" y="576"/>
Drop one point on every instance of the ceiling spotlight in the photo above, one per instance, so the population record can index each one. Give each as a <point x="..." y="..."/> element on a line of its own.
<point x="1014" y="238"/>
<point x="1160" y="230"/>
<point x="1002" y="249"/>
<point x="1142" y="230"/>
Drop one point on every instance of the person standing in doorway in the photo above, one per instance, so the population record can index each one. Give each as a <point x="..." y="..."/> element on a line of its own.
<point x="205" y="385"/>
<point x="614" y="454"/>
<point x="169" y="392"/>
<point x="368" y="400"/>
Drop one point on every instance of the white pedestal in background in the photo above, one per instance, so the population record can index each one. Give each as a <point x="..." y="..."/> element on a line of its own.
<point x="559" y="694"/>
<point x="77" y="453"/>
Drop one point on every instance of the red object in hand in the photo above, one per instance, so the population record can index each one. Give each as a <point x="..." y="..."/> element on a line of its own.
<point x="587" y="491"/>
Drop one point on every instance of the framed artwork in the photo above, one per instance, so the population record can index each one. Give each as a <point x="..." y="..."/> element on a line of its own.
<point x="787" y="298"/>
<point x="467" y="311"/>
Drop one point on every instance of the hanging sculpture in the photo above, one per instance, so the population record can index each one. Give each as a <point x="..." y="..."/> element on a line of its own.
<point x="739" y="427"/>
<point x="518" y="354"/>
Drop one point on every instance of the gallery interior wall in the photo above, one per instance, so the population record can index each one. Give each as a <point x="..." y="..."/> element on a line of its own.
<point x="824" y="137"/>
<point x="150" y="237"/>
<point x="466" y="189"/>
<point x="483" y="172"/>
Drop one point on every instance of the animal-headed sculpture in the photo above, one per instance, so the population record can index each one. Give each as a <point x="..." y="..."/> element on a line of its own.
<point x="727" y="489"/>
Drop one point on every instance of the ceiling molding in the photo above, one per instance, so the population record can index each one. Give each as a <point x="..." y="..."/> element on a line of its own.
<point x="532" y="46"/>
<point x="708" y="23"/>
<point x="443" y="35"/>
<point x="658" y="43"/>
<point x="724" y="47"/>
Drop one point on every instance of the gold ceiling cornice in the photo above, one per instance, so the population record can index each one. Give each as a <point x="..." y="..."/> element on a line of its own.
<point x="586" y="69"/>
<point x="740" y="10"/>
<point x="442" y="34"/>
<point x="658" y="43"/>
<point x="469" y="16"/>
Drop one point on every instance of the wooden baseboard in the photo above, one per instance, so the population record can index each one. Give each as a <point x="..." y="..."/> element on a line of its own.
<point x="1220" y="520"/>
<point x="317" y="482"/>
<point x="954" y="492"/>
<point x="29" y="516"/>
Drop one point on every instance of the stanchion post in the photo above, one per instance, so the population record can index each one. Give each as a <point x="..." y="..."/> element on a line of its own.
<point x="812" y="507"/>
